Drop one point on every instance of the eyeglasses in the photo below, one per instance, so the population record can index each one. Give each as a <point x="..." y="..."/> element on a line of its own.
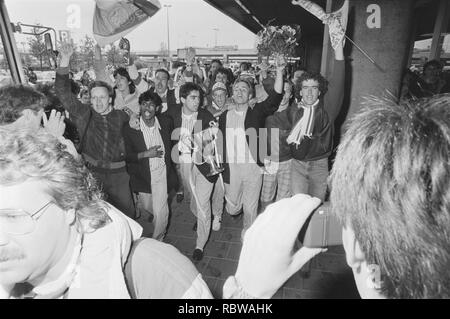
<point x="19" y="221"/>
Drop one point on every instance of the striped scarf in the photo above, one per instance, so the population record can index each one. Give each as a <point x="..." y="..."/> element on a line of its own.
<point x="304" y="126"/>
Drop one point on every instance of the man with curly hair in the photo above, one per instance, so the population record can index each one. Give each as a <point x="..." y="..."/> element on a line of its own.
<point x="312" y="120"/>
<point x="64" y="241"/>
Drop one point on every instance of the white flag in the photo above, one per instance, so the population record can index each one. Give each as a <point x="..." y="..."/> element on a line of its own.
<point x="113" y="19"/>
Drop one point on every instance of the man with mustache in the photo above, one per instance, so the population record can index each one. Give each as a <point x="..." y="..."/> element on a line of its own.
<point x="66" y="242"/>
<point x="169" y="107"/>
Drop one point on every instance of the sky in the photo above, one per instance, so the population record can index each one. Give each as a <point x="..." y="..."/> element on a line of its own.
<point x="191" y="23"/>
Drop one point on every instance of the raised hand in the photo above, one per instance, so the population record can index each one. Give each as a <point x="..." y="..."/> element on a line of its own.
<point x="269" y="244"/>
<point x="65" y="52"/>
<point x="280" y="62"/>
<point x="55" y="123"/>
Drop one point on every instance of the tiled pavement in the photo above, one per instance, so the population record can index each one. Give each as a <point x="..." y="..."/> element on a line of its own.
<point x="329" y="276"/>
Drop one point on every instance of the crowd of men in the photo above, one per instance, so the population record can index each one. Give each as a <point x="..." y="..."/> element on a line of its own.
<point x="224" y="142"/>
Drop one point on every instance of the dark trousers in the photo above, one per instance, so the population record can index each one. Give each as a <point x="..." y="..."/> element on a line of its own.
<point x="116" y="186"/>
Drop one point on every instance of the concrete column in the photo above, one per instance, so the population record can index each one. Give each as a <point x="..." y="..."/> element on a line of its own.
<point x="382" y="29"/>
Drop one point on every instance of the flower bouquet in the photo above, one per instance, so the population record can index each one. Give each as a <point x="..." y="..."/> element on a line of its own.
<point x="277" y="40"/>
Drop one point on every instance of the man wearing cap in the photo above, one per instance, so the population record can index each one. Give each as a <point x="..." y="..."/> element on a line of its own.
<point x="219" y="96"/>
<point x="217" y="106"/>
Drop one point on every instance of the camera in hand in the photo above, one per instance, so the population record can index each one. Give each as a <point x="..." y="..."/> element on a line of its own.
<point x="321" y="229"/>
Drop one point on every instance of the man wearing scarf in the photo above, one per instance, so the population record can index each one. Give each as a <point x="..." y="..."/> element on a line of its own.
<point x="311" y="139"/>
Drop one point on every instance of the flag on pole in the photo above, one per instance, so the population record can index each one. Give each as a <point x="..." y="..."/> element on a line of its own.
<point x="113" y="19"/>
<point x="336" y="21"/>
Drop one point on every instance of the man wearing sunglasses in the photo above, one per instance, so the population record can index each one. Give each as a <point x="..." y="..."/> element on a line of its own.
<point x="64" y="241"/>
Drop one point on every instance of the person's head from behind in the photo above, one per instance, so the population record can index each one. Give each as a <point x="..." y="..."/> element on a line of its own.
<point x="244" y="66"/>
<point x="101" y="97"/>
<point x="123" y="82"/>
<point x="309" y="87"/>
<point x="215" y="65"/>
<point x="219" y="94"/>
<point x="37" y="236"/>
<point x="162" y="77"/>
<point x="191" y="96"/>
<point x="432" y="71"/>
<point x="390" y="187"/>
<point x="150" y="105"/>
<point x="21" y="107"/>
<point x="243" y="90"/>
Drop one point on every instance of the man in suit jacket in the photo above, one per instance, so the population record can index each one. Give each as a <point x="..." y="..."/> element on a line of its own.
<point x="240" y="130"/>
<point x="149" y="163"/>
<point x="189" y="120"/>
<point x="169" y="106"/>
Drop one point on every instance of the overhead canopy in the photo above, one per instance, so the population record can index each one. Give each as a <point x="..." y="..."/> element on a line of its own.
<point x="254" y="14"/>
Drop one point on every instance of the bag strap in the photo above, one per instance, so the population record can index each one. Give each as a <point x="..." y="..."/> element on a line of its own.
<point x="128" y="271"/>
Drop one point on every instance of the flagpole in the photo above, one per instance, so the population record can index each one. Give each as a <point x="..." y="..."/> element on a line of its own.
<point x="168" y="33"/>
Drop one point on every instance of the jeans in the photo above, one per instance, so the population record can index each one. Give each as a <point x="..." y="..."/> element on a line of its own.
<point x="116" y="186"/>
<point x="309" y="177"/>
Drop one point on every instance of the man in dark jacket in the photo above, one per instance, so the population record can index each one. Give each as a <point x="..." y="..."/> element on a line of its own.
<point x="190" y="120"/>
<point x="240" y="130"/>
<point x="100" y="129"/>
<point x="150" y="167"/>
<point x="312" y="120"/>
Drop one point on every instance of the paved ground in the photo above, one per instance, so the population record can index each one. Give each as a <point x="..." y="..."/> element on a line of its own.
<point x="329" y="276"/>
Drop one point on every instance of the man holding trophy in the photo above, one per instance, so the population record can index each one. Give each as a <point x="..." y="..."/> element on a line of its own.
<point x="198" y="172"/>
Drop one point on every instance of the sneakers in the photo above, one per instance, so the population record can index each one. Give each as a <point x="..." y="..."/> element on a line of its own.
<point x="216" y="223"/>
<point x="198" y="254"/>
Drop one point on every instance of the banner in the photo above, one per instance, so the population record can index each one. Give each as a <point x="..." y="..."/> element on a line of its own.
<point x="336" y="21"/>
<point x="113" y="19"/>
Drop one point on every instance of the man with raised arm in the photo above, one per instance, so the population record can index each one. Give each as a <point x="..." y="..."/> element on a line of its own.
<point x="100" y="129"/>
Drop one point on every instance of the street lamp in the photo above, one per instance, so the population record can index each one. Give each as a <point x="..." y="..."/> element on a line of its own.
<point x="215" y="36"/>
<point x="168" y="34"/>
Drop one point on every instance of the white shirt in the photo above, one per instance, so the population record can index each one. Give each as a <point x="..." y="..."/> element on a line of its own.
<point x="164" y="103"/>
<point x="152" y="137"/>
<point x="187" y="126"/>
<point x="237" y="147"/>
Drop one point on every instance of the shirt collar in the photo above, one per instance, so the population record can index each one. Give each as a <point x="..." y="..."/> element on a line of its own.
<point x="144" y="126"/>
